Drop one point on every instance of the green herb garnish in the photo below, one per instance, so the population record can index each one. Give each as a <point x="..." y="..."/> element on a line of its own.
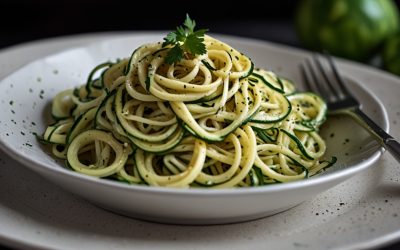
<point x="185" y="41"/>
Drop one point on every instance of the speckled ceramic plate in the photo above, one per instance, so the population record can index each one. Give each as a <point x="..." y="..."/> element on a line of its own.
<point x="26" y="94"/>
<point x="359" y="213"/>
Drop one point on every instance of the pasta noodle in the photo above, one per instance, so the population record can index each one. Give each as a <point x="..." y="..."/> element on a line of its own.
<point x="210" y="120"/>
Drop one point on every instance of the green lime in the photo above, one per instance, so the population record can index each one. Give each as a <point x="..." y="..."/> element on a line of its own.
<point x="348" y="28"/>
<point x="391" y="54"/>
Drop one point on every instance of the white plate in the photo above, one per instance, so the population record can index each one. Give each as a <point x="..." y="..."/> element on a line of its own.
<point x="58" y="218"/>
<point x="27" y="93"/>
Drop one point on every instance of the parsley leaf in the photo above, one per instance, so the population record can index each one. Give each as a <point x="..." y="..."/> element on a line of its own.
<point x="175" y="54"/>
<point x="194" y="43"/>
<point x="185" y="41"/>
<point x="190" y="24"/>
<point x="169" y="39"/>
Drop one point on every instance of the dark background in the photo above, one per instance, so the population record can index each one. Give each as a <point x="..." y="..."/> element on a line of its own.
<point x="37" y="19"/>
<point x="31" y="20"/>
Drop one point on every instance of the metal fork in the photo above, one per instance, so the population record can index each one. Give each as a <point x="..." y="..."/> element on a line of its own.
<point x="340" y="100"/>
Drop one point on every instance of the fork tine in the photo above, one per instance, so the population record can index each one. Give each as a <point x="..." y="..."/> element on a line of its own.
<point x="324" y="74"/>
<point x="338" y="78"/>
<point x="306" y="80"/>
<point x="318" y="87"/>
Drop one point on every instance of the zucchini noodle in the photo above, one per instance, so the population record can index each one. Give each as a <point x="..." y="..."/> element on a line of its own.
<point x="210" y="120"/>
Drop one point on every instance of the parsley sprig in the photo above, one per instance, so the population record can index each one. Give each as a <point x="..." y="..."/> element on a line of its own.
<point x="186" y="42"/>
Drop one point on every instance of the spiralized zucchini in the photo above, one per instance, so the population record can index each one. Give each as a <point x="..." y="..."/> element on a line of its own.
<point x="211" y="120"/>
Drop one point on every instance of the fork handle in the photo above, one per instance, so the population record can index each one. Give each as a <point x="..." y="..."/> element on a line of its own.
<point x="393" y="147"/>
<point x="386" y="140"/>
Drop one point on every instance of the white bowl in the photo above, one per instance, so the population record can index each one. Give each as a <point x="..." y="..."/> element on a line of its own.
<point x="26" y="94"/>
